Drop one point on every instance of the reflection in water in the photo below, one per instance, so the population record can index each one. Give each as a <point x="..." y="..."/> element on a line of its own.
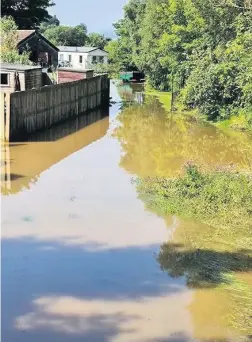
<point x="131" y="94"/>
<point x="25" y="161"/>
<point x="79" y="249"/>
<point x="221" y="274"/>
<point x="155" y="144"/>
<point x="158" y="144"/>
<point x="202" y="268"/>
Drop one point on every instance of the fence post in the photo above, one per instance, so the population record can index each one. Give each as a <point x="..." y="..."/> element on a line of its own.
<point x="2" y="119"/>
<point x="7" y="117"/>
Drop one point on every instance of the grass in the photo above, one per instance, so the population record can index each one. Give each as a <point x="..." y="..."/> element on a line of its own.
<point x="219" y="252"/>
<point x="236" y="122"/>
<point x="239" y="123"/>
<point x="222" y="197"/>
<point x="163" y="97"/>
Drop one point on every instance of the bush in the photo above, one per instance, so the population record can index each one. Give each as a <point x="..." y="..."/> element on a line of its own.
<point x="9" y="52"/>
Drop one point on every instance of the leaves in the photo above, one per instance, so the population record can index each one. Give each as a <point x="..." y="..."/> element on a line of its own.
<point x="205" y="44"/>
<point x="9" y="52"/>
<point x="27" y="14"/>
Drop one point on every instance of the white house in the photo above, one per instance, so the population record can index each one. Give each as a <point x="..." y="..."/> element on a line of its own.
<point x="82" y="57"/>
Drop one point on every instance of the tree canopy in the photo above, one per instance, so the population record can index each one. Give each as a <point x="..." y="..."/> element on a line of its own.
<point x="9" y="37"/>
<point x="97" y="40"/>
<point x="27" y="14"/>
<point x="62" y="35"/>
<point x="53" y="21"/>
<point x="205" y="46"/>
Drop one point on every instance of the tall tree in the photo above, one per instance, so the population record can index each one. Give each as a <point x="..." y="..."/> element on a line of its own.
<point x="27" y="14"/>
<point x="67" y="35"/>
<point x="202" y="47"/>
<point x="125" y="49"/>
<point x="53" y="21"/>
<point x="97" y="40"/>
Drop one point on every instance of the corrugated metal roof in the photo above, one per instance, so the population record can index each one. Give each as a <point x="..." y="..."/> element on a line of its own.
<point x="83" y="49"/>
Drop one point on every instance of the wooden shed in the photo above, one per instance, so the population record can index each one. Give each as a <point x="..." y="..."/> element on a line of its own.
<point x="29" y="77"/>
<point x="41" y="50"/>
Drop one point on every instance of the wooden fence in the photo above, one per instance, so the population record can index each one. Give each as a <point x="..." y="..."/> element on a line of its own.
<point x="29" y="111"/>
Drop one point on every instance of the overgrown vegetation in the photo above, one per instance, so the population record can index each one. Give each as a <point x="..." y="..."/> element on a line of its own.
<point x="203" y="46"/>
<point x="9" y="52"/>
<point x="218" y="253"/>
<point x="209" y="197"/>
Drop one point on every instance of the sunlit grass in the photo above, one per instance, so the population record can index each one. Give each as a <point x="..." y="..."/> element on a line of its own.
<point x="219" y="252"/>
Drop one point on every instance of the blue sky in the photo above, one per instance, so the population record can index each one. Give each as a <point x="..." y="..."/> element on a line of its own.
<point x="98" y="15"/>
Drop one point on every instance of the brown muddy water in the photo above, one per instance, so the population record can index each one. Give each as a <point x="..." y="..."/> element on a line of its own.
<point x="80" y="252"/>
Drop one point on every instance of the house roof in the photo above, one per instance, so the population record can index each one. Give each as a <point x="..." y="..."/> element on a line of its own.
<point x="83" y="49"/>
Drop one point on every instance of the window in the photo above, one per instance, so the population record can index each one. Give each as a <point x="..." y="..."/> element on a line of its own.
<point x="4" y="79"/>
<point x="80" y="59"/>
<point x="69" y="58"/>
<point x="101" y="59"/>
<point x="61" y="57"/>
<point x="94" y="60"/>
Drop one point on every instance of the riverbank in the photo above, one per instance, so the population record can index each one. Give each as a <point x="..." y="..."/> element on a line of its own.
<point x="220" y="255"/>
<point x="210" y="197"/>
<point x="238" y="123"/>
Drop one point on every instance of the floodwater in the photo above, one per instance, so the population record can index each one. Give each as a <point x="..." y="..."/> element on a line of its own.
<point x="82" y="259"/>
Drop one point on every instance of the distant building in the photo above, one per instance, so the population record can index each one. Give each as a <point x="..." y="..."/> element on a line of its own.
<point x="81" y="57"/>
<point x="42" y="51"/>
<point x="18" y="77"/>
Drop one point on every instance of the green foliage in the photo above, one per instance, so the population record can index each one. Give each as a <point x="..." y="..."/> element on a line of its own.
<point x="204" y="47"/>
<point x="62" y="35"/>
<point x="27" y="14"/>
<point x="124" y="51"/>
<point x="67" y="35"/>
<point x="15" y="58"/>
<point x="100" y="68"/>
<point x="220" y="198"/>
<point x="97" y="40"/>
<point x="9" y="52"/>
<point x="53" y="21"/>
<point x="215" y="247"/>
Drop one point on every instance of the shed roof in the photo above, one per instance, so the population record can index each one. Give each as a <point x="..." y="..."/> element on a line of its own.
<point x="23" y="34"/>
<point x="21" y="67"/>
<point x="74" y="69"/>
<point x="83" y="49"/>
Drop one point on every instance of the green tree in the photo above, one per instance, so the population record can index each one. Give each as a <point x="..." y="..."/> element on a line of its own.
<point x="9" y="38"/>
<point x="97" y="40"/>
<point x="66" y="35"/>
<point x="27" y="14"/>
<point x="53" y="21"/>
<point x="125" y="49"/>
<point x="203" y="47"/>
